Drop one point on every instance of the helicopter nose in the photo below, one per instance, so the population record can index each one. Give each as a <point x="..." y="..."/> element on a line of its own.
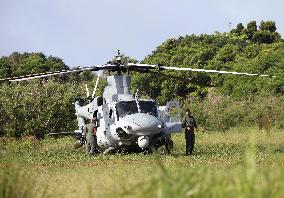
<point x="142" y="124"/>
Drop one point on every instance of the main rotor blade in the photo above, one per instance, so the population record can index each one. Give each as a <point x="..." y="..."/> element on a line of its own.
<point x="129" y="66"/>
<point x="55" y="73"/>
<point x="145" y="66"/>
<point x="40" y="75"/>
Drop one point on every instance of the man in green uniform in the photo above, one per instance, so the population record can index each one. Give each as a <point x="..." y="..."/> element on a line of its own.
<point x="189" y="124"/>
<point x="90" y="135"/>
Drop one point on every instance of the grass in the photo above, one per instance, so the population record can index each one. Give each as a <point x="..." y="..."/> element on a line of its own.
<point x="244" y="162"/>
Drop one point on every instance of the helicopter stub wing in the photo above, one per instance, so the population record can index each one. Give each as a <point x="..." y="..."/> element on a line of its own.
<point x="64" y="134"/>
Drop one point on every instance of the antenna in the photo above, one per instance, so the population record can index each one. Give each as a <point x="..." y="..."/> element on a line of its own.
<point x="118" y="57"/>
<point x="94" y="91"/>
<point x="137" y="102"/>
<point x="87" y="90"/>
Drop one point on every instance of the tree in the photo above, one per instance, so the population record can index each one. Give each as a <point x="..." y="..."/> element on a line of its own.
<point x="251" y="29"/>
<point x="239" y="29"/>
<point x="265" y="36"/>
<point x="5" y="68"/>
<point x="241" y="50"/>
<point x="267" y="26"/>
<point x="21" y="64"/>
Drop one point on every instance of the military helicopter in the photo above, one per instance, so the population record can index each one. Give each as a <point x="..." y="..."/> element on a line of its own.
<point x="125" y="121"/>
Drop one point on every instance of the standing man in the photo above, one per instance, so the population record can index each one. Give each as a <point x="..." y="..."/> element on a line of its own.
<point x="189" y="124"/>
<point x="91" y="140"/>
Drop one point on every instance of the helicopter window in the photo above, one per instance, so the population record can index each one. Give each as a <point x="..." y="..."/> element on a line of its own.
<point x="130" y="107"/>
<point x="126" y="108"/>
<point x="148" y="107"/>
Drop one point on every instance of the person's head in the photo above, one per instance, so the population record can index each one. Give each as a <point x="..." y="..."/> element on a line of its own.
<point x="188" y="112"/>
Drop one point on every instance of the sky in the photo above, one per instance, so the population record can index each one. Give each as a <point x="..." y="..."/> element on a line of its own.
<point x="89" y="32"/>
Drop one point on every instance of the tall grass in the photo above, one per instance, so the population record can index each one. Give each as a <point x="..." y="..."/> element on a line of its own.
<point x="244" y="180"/>
<point x="245" y="162"/>
<point x="18" y="183"/>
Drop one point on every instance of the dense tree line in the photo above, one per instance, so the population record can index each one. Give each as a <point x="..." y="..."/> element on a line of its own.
<point x="39" y="107"/>
<point x="28" y="63"/>
<point x="252" y="49"/>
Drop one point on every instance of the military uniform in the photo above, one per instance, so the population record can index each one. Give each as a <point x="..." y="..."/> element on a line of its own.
<point x="189" y="124"/>
<point x="91" y="139"/>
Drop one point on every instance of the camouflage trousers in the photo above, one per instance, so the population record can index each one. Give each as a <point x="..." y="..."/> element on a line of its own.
<point x="91" y="142"/>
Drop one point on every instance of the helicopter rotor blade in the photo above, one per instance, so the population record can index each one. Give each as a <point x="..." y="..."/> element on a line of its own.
<point x="145" y="66"/>
<point x="41" y="75"/>
<point x="55" y="73"/>
<point x="120" y="67"/>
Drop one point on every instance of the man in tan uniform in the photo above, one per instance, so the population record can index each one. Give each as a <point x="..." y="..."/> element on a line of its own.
<point x="91" y="140"/>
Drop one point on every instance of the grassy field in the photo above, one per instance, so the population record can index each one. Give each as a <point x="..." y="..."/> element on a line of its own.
<point x="243" y="162"/>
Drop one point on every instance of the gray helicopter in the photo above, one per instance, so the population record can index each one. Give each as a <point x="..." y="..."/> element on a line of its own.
<point x="126" y="121"/>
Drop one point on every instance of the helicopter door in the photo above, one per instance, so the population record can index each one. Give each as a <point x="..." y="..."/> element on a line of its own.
<point x="171" y="117"/>
<point x="172" y="112"/>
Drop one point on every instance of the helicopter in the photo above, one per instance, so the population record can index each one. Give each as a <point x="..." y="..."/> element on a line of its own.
<point x="124" y="120"/>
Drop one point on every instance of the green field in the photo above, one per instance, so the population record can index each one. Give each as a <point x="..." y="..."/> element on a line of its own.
<point x="244" y="162"/>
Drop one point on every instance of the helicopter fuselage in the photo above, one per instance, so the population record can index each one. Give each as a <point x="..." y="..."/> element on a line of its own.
<point x="123" y="120"/>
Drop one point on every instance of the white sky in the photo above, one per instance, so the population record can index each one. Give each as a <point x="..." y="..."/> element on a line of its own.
<point x="88" y="32"/>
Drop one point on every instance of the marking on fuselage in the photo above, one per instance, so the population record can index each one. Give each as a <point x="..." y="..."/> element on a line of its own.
<point x="137" y="124"/>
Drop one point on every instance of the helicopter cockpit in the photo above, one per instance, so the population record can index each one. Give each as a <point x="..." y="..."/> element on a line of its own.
<point x="130" y="107"/>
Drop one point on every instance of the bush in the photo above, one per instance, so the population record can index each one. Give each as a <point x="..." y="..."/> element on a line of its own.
<point x="221" y="113"/>
<point x="39" y="107"/>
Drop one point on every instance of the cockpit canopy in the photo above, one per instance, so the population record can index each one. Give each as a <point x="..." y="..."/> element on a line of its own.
<point x="130" y="107"/>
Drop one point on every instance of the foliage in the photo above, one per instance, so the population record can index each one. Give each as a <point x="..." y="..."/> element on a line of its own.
<point x="28" y="63"/>
<point x="221" y="113"/>
<point x="243" y="49"/>
<point x="39" y="107"/>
